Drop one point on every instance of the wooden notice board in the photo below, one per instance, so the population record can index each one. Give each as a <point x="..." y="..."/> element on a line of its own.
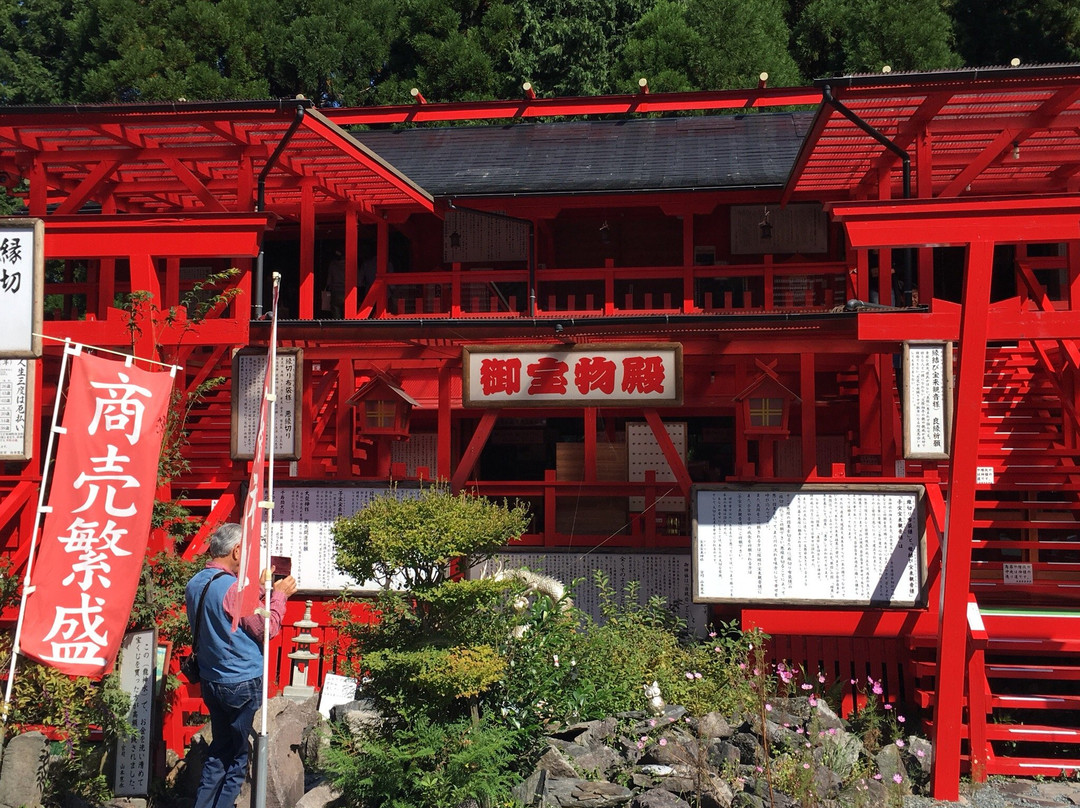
<point x="851" y="545"/>
<point x="928" y="398"/>
<point x="249" y="371"/>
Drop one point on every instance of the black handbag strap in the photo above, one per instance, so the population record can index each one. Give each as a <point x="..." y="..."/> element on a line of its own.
<point x="198" y="612"/>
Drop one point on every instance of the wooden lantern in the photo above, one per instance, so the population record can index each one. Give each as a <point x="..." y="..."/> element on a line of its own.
<point x="382" y="407"/>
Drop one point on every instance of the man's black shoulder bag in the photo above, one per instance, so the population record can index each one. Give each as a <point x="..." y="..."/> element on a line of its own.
<point x="190" y="666"/>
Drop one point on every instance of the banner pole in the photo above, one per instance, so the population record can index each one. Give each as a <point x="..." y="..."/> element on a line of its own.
<point x="69" y="349"/>
<point x="261" y="740"/>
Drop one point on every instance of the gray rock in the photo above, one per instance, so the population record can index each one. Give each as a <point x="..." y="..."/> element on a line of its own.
<point x="596" y="758"/>
<point x="751" y="752"/>
<point x="529" y="790"/>
<point x="890" y="762"/>
<point x="286" y="722"/>
<point x="865" y="792"/>
<point x="360" y="716"/>
<point x="823" y="717"/>
<point x="588" y="732"/>
<point x="714" y="725"/>
<point x="921" y="751"/>
<point x="319" y="797"/>
<point x="574" y="793"/>
<point x="126" y="802"/>
<point x="653" y="724"/>
<point x="745" y="800"/>
<point x="671" y="750"/>
<point x="839" y="751"/>
<point x="23" y="770"/>
<point x="721" y="753"/>
<point x="556" y="765"/>
<point x="657" y="770"/>
<point x="658" y="798"/>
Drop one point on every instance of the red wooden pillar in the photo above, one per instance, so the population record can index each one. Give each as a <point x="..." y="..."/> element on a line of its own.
<point x="346" y="386"/>
<point x="352" y="303"/>
<point x="808" y="394"/>
<point x="444" y="443"/>
<point x="144" y="277"/>
<point x="307" y="252"/>
<point x="960" y="518"/>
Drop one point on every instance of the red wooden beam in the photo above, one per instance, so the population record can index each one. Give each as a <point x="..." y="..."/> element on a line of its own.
<point x="476" y="446"/>
<point x="934" y="222"/>
<point x="640" y="103"/>
<point x="194" y="235"/>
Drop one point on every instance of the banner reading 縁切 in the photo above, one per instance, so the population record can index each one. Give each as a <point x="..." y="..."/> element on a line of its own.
<point x="94" y="536"/>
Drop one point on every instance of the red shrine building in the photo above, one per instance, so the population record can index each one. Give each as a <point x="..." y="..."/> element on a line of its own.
<point x="802" y="358"/>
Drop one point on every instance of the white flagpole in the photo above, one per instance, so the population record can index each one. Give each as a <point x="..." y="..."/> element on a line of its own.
<point x="70" y="349"/>
<point x="261" y="741"/>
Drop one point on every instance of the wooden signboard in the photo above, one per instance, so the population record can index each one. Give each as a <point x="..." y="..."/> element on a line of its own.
<point x="813" y="544"/>
<point x="593" y="375"/>
<point x="138" y="655"/>
<point x="249" y="369"/>
<point x="22" y="286"/>
<point x="772" y="229"/>
<point x="928" y="399"/>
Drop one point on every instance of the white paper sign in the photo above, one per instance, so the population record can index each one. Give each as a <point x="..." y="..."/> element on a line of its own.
<point x="1017" y="573"/>
<point x="137" y="659"/>
<point x="16" y="419"/>
<point x="336" y="690"/>
<point x="815" y="544"/>
<point x="984" y="475"/>
<point x="22" y="267"/>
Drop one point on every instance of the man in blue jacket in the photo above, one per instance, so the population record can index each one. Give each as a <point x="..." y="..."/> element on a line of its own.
<point x="230" y="664"/>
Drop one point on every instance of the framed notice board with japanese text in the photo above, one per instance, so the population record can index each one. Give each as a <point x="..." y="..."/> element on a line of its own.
<point x="854" y="545"/>
<point x="249" y="371"/>
<point x="304" y="517"/>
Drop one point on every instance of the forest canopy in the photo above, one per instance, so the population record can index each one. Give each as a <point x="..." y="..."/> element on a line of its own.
<point x="364" y="52"/>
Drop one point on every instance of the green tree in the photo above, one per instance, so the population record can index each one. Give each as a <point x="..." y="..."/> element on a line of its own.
<point x="1034" y="31"/>
<point x="834" y="37"/>
<point x="570" y="47"/>
<point x="160" y="50"/>
<point x="442" y="49"/>
<point x="710" y="45"/>
<point x="36" y="50"/>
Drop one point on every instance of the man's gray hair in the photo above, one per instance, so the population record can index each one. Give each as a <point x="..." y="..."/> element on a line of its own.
<point x="225" y="538"/>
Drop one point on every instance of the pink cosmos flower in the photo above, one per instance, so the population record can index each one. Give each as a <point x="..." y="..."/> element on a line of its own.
<point x="896" y="778"/>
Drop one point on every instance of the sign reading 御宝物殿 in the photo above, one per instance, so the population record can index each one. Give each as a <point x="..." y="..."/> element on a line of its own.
<point x="626" y="374"/>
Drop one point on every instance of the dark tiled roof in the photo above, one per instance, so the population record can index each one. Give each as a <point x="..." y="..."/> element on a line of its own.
<point x="664" y="154"/>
